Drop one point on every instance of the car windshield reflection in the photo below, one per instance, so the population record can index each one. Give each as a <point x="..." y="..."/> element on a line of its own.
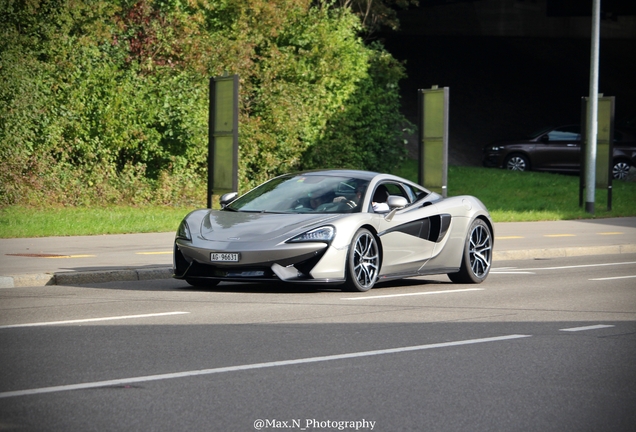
<point x="303" y="194"/>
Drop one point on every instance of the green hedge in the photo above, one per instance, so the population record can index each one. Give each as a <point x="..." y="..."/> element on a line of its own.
<point x="106" y="102"/>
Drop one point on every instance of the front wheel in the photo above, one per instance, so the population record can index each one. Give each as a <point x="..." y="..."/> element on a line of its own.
<point x="517" y="163"/>
<point x="363" y="262"/>
<point x="477" y="256"/>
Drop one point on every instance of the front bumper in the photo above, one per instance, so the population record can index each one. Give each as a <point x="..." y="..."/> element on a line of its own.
<point x="491" y="160"/>
<point x="289" y="263"/>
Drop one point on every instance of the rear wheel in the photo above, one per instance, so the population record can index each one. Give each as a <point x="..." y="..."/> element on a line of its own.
<point x="620" y="170"/>
<point x="477" y="256"/>
<point x="517" y="162"/>
<point x="363" y="262"/>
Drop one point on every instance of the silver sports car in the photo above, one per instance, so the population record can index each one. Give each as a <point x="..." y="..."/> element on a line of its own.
<point x="354" y="228"/>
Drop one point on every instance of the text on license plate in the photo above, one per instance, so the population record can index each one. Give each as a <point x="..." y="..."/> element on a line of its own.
<point x="224" y="257"/>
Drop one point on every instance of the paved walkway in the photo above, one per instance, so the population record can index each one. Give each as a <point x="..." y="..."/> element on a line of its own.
<point x="95" y="259"/>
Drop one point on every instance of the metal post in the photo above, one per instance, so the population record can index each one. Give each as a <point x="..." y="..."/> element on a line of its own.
<point x="433" y="139"/>
<point x="592" y="127"/>
<point x="223" y="135"/>
<point x="211" y="107"/>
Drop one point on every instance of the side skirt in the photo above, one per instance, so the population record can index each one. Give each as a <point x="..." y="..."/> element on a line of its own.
<point x="424" y="272"/>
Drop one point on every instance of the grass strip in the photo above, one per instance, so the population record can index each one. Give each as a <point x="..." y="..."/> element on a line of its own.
<point x="22" y="222"/>
<point x="509" y="196"/>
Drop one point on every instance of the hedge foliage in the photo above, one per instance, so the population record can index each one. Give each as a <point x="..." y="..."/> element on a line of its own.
<point x="106" y="102"/>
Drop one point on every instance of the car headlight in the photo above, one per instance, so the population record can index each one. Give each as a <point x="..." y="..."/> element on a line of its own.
<point x="184" y="231"/>
<point x="322" y="234"/>
<point x="496" y="148"/>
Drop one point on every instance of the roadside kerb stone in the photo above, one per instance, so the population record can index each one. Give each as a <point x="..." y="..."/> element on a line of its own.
<point x="154" y="273"/>
<point x="562" y="252"/>
<point x="82" y="278"/>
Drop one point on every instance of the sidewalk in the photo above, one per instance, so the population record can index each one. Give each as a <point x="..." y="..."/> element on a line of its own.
<point x="129" y="257"/>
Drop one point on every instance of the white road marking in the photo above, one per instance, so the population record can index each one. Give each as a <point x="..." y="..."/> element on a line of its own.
<point x="69" y="256"/>
<point x="92" y="320"/>
<point x="411" y="294"/>
<point x="510" y="272"/>
<point x="186" y="374"/>
<point x="154" y="253"/>
<point x="612" y="278"/>
<point x="582" y="266"/>
<point x="513" y="270"/>
<point x="593" y="327"/>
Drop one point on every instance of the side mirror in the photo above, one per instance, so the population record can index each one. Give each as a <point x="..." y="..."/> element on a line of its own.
<point x="228" y="198"/>
<point x="545" y="138"/>
<point x="395" y="201"/>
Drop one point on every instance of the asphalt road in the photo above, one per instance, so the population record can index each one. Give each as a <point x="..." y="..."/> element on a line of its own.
<point x="545" y="345"/>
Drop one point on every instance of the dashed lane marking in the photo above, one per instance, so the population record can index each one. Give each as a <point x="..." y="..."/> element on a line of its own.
<point x="71" y="256"/>
<point x="411" y="294"/>
<point x="154" y="253"/>
<point x="592" y="327"/>
<point x="49" y="256"/>
<point x="253" y="366"/>
<point x="583" y="266"/>
<point x="81" y="321"/>
<point x="613" y="278"/>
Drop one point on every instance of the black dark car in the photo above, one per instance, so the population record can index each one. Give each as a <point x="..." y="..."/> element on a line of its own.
<point x="558" y="150"/>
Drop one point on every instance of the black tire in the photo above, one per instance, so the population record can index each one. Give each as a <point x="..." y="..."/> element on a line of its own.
<point x="517" y="162"/>
<point x="363" y="262"/>
<point x="620" y="169"/>
<point x="477" y="257"/>
<point x="202" y="283"/>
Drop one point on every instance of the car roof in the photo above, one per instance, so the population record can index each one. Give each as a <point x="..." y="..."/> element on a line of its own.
<point x="363" y="175"/>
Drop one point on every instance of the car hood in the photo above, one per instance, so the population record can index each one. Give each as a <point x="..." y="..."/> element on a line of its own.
<point x="258" y="227"/>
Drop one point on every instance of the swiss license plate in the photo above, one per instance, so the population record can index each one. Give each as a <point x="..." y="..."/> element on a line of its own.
<point x="224" y="257"/>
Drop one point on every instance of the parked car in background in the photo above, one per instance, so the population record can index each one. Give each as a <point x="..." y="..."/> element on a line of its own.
<point x="558" y="150"/>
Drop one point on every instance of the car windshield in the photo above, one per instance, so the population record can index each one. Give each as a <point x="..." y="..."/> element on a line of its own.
<point x="539" y="132"/>
<point x="303" y="194"/>
<point x="563" y="133"/>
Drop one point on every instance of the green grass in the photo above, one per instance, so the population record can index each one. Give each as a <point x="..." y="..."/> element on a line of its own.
<point x="531" y="196"/>
<point x="509" y="196"/>
<point x="67" y="221"/>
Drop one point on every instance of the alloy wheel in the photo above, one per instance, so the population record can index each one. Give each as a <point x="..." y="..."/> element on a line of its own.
<point x="366" y="260"/>
<point x="620" y="170"/>
<point x="480" y="251"/>
<point x="516" y="163"/>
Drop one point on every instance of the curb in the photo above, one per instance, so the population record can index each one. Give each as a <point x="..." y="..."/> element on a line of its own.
<point x="563" y="252"/>
<point x="81" y="278"/>
<point x="156" y="273"/>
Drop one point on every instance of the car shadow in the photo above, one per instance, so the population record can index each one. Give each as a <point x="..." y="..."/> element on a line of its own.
<point x="299" y="288"/>
<point x="170" y="284"/>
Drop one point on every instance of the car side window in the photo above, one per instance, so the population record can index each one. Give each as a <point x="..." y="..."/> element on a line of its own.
<point x="394" y="189"/>
<point x="570" y="133"/>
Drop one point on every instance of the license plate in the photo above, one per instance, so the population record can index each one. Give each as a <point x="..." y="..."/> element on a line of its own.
<point x="224" y="257"/>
